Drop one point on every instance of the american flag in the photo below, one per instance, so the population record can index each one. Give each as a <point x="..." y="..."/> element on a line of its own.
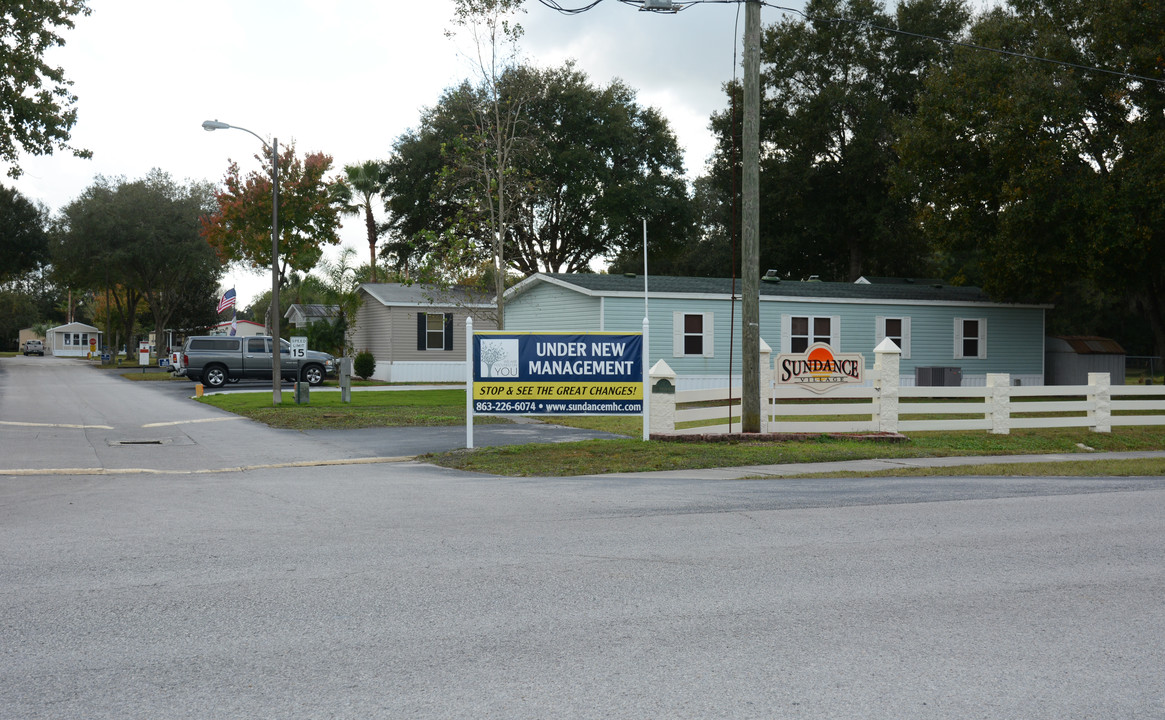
<point x="228" y="300"/>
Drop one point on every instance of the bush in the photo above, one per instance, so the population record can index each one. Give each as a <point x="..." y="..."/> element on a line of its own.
<point x="364" y="365"/>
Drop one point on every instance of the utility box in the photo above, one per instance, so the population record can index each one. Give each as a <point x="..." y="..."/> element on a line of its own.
<point x="302" y="395"/>
<point x="938" y="376"/>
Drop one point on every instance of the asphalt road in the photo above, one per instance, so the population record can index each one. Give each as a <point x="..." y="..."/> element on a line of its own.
<point x="398" y="589"/>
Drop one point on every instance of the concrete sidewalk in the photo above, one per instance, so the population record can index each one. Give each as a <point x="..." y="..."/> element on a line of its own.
<point x="879" y="465"/>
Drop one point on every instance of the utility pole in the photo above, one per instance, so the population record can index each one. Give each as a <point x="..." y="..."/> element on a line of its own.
<point x="750" y="400"/>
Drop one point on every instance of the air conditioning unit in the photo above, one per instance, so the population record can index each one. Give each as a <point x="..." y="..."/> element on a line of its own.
<point x="938" y="376"/>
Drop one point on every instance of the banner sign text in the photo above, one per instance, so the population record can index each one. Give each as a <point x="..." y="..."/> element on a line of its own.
<point x="558" y="373"/>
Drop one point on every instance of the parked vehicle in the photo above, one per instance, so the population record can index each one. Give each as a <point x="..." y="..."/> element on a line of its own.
<point x="215" y="360"/>
<point x="33" y="347"/>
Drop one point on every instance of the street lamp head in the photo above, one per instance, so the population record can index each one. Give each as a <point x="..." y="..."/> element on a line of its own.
<point x="210" y="125"/>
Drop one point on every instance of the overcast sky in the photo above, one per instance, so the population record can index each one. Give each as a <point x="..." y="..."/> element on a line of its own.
<point x="346" y="77"/>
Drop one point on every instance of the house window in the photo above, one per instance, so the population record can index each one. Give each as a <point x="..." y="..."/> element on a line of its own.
<point x="808" y="330"/>
<point x="896" y="329"/>
<point x="68" y="340"/>
<point x="692" y="334"/>
<point x="434" y="331"/>
<point x="970" y="338"/>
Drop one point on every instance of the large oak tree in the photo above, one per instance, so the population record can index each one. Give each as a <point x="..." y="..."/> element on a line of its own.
<point x="139" y="241"/>
<point x="835" y="82"/>
<point x="1043" y="181"/>
<point x="589" y="166"/>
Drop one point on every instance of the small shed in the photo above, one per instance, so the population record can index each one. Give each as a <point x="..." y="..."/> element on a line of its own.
<point x="72" y="340"/>
<point x="302" y="315"/>
<point x="1069" y="359"/>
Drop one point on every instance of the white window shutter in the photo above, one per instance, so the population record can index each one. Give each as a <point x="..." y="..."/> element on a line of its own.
<point x="879" y="330"/>
<point x="835" y="332"/>
<point x="677" y="334"/>
<point x="982" y="338"/>
<point x="905" y="338"/>
<point x="708" y="335"/>
<point x="786" y="332"/>
<point x="958" y="338"/>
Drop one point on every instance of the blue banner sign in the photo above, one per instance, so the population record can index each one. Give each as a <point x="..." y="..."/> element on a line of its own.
<point x="557" y="373"/>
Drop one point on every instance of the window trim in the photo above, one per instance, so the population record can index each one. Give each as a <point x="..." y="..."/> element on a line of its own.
<point x="787" y="330"/>
<point x="707" y="334"/>
<point x="981" y="339"/>
<point x="423" y="332"/>
<point x="880" y="332"/>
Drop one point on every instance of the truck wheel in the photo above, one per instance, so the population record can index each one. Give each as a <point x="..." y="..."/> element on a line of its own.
<point x="215" y="376"/>
<point x="313" y="374"/>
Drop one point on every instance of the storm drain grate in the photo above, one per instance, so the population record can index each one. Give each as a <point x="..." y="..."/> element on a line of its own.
<point x="139" y="442"/>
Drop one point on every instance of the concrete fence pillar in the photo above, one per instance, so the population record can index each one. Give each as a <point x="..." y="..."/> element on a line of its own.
<point x="999" y="403"/>
<point x="662" y="407"/>
<point x="1100" y="397"/>
<point x="887" y="359"/>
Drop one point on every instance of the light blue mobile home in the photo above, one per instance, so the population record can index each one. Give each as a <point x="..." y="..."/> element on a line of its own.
<point x="695" y="327"/>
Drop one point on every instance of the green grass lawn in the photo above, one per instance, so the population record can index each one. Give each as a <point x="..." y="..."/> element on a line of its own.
<point x="396" y="408"/>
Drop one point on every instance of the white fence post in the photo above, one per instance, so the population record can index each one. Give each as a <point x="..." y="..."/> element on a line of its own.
<point x="887" y="358"/>
<point x="999" y="403"/>
<point x="663" y="398"/>
<point x="1100" y="394"/>
<point x="766" y="382"/>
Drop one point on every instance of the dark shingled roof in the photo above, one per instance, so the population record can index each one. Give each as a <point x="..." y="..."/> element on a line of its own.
<point x="665" y="285"/>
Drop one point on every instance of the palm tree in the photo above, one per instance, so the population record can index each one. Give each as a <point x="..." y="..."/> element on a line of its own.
<point x="363" y="183"/>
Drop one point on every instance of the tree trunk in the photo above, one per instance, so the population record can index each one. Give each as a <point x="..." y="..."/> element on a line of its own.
<point x="370" y="225"/>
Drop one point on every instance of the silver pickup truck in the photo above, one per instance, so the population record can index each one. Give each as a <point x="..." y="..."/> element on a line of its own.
<point x="215" y="360"/>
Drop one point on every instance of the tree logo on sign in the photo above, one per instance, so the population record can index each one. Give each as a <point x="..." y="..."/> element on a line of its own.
<point x="499" y="358"/>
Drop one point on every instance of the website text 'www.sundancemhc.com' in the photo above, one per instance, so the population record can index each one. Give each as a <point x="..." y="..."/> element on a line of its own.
<point x="594" y="407"/>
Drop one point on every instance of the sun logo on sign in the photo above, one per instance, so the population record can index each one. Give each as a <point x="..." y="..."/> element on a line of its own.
<point x="821" y="362"/>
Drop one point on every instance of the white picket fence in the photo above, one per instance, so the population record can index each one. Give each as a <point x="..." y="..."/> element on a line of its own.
<point x="887" y="407"/>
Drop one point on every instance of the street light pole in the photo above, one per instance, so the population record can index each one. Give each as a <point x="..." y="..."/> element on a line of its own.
<point x="273" y="311"/>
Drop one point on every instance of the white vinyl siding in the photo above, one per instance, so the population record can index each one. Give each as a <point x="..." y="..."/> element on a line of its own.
<point x="970" y="338"/>
<point x="692" y="335"/>
<point x="895" y="328"/>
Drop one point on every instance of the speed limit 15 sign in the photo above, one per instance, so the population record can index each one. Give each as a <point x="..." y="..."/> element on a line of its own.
<point x="298" y="347"/>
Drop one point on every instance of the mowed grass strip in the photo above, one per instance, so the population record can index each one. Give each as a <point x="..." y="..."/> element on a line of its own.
<point x="613" y="456"/>
<point x="325" y="410"/>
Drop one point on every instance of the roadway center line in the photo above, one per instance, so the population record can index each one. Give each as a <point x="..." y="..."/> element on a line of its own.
<point x="57" y="425"/>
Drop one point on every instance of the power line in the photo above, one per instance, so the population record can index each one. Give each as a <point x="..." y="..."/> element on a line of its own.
<point x="674" y="6"/>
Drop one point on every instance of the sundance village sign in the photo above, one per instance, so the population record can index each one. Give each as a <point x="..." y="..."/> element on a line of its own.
<point x="819" y="368"/>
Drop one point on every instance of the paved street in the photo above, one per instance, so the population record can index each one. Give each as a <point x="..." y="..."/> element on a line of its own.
<point x="397" y="589"/>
